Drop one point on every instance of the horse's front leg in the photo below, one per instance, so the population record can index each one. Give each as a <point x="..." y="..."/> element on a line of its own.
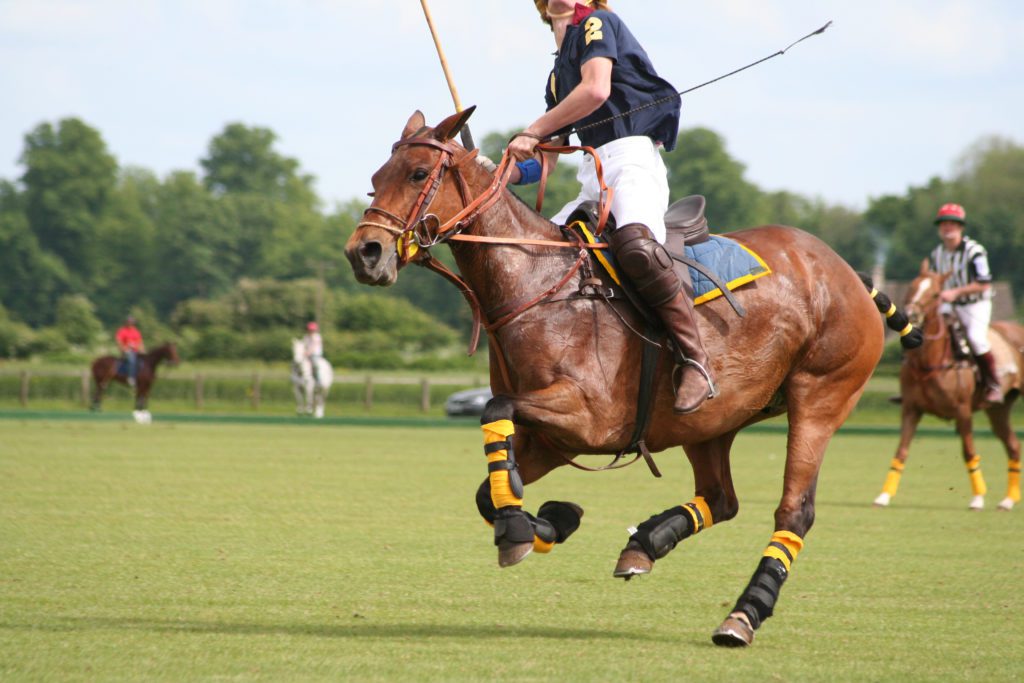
<point x="513" y="462"/>
<point x="910" y="417"/>
<point x="972" y="461"/>
<point x="714" y="501"/>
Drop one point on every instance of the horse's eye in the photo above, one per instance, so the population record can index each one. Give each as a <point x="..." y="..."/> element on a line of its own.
<point x="419" y="175"/>
<point x="371" y="194"/>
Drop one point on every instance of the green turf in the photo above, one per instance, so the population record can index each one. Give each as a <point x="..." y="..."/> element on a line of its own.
<point x="244" y="552"/>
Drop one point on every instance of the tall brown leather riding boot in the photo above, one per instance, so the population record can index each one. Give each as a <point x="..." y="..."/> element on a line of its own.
<point x="990" y="377"/>
<point x="649" y="267"/>
<point x="695" y="381"/>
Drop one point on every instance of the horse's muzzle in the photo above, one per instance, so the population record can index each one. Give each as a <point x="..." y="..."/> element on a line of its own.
<point x="371" y="264"/>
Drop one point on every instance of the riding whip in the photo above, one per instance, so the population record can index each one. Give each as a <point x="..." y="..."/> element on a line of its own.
<point x="555" y="136"/>
<point x="467" y="137"/>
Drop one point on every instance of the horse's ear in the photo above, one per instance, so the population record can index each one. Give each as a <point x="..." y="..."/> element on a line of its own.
<point x="924" y="267"/>
<point x="451" y="126"/>
<point x="415" y="123"/>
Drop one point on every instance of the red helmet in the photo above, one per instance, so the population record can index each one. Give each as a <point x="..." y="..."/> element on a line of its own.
<point x="312" y="327"/>
<point x="951" y="212"/>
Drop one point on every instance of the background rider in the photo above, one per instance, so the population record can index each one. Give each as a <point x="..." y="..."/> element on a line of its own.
<point x="967" y="292"/>
<point x="129" y="341"/>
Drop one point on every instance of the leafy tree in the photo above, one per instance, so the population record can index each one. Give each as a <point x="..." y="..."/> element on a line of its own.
<point x="68" y="178"/>
<point x="77" y="321"/>
<point x="196" y="242"/>
<point x="128" y="263"/>
<point x="31" y="278"/>
<point x="700" y="164"/>
<point x="242" y="160"/>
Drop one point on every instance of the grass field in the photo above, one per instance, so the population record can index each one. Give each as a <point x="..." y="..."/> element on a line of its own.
<point x="244" y="552"/>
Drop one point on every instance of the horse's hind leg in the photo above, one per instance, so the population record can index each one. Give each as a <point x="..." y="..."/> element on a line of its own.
<point x="500" y="498"/>
<point x="714" y="501"/>
<point x="999" y="417"/>
<point x="818" y="405"/>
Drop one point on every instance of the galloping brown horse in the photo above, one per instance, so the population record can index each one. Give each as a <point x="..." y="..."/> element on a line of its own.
<point x="565" y="374"/>
<point x="105" y="370"/>
<point x="933" y="381"/>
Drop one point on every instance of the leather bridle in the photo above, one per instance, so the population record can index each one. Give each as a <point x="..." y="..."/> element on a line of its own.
<point x="420" y="230"/>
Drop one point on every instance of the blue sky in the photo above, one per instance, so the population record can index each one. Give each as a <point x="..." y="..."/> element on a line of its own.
<point x="891" y="95"/>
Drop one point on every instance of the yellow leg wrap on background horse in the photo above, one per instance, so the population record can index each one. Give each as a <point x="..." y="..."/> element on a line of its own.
<point x="1013" y="482"/>
<point x="978" y="487"/>
<point x="892" y="480"/>
<point x="784" y="546"/>
<point x="501" y="490"/>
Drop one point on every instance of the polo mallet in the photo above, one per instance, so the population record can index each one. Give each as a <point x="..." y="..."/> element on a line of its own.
<point x="464" y="134"/>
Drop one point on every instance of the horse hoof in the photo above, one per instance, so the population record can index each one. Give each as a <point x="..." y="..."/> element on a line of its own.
<point x="977" y="503"/>
<point x="513" y="553"/>
<point x="1006" y="504"/>
<point x="734" y="632"/>
<point x="632" y="563"/>
<point x="882" y="500"/>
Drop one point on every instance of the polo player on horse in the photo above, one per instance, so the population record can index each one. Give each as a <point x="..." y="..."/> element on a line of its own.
<point x="601" y="69"/>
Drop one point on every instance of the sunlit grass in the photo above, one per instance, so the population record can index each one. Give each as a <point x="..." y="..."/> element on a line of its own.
<point x="190" y="552"/>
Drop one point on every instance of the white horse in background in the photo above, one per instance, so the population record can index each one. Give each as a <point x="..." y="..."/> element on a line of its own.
<point x="310" y="391"/>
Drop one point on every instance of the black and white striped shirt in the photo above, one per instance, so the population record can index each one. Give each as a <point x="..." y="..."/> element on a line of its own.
<point x="967" y="263"/>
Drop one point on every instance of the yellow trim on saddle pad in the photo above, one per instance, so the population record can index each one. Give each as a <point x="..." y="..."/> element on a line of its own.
<point x="598" y="254"/>
<point x="737" y="282"/>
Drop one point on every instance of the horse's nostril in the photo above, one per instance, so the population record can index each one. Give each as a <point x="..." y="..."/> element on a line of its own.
<point x="370" y="253"/>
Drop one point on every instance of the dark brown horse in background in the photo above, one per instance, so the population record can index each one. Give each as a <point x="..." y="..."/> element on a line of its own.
<point x="565" y="374"/>
<point x="106" y="369"/>
<point x="934" y="381"/>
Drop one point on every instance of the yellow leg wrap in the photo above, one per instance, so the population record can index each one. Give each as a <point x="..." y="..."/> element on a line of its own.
<point x="892" y="480"/>
<point x="784" y="546"/>
<point x="1013" y="482"/>
<point x="698" y="509"/>
<point x="540" y="546"/>
<point x="978" y="487"/>
<point x="501" y="491"/>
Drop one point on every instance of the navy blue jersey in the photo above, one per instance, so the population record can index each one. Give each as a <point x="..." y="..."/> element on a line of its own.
<point x="634" y="82"/>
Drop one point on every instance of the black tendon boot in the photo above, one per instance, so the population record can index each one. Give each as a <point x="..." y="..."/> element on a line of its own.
<point x="649" y="268"/>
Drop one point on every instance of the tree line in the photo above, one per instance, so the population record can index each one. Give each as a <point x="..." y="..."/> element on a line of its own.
<point x="235" y="258"/>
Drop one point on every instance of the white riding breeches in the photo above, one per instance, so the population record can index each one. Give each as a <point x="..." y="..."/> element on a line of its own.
<point x="975" y="318"/>
<point x="635" y="172"/>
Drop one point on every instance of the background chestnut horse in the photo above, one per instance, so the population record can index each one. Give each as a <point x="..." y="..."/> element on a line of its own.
<point x="932" y="381"/>
<point x="105" y="370"/>
<point x="565" y="374"/>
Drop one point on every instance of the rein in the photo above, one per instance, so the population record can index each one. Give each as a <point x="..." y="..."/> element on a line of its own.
<point x="926" y="371"/>
<point x="421" y="230"/>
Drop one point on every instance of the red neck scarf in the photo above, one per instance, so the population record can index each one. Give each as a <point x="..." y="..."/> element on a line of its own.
<point x="581" y="12"/>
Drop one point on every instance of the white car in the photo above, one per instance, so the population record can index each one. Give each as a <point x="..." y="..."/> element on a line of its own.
<point x="469" y="402"/>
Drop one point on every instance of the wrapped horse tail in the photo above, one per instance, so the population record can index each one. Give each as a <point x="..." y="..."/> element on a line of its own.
<point x="910" y="336"/>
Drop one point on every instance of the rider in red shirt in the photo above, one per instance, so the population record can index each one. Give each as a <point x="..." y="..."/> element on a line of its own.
<point x="129" y="340"/>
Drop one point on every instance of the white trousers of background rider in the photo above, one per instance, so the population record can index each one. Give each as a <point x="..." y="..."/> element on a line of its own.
<point x="633" y="168"/>
<point x="975" y="319"/>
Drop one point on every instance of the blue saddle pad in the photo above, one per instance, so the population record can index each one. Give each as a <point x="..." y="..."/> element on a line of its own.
<point x="122" y="366"/>
<point x="735" y="264"/>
